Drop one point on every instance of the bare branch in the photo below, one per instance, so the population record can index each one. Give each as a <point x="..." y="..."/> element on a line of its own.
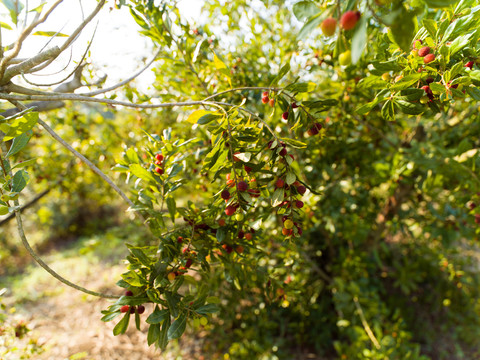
<point x="365" y="325"/>
<point x="73" y="36"/>
<point x="26" y="65"/>
<point x="25" y="33"/>
<point x="124" y="82"/>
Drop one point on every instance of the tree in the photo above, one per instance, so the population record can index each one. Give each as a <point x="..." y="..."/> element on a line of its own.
<point x="335" y="188"/>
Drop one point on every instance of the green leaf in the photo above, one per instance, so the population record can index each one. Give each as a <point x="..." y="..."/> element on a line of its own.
<point x="410" y="108"/>
<point x="301" y="87"/>
<point x="406" y="82"/>
<point x="49" y="33"/>
<point x="388" y="111"/>
<point x="291" y="178"/>
<point x="137" y="320"/>
<point x="14" y="7"/>
<point x="4" y="210"/>
<point x="20" y="180"/>
<point x="304" y="9"/>
<point x="19" y="143"/>
<point x="295" y="143"/>
<point x="122" y="325"/>
<point x="178" y="327"/>
<point x="110" y="316"/>
<point x="403" y="28"/>
<point x="140" y="255"/>
<point x="24" y="163"/>
<point x="459" y="43"/>
<point x="163" y="338"/>
<point x="311" y="24"/>
<point x="439" y="3"/>
<point x="277" y="197"/>
<point x="205" y="119"/>
<point x="245" y="157"/>
<point x="153" y="334"/>
<point x="131" y="300"/>
<point x="197" y="114"/>
<point x="139" y="20"/>
<point x="141" y="172"/>
<point x="221" y="234"/>
<point x="172" y="301"/>
<point x="172" y="207"/>
<point x="5" y="25"/>
<point x="207" y="309"/>
<point x="283" y="71"/>
<point x="21" y="125"/>
<point x="158" y="316"/>
<point x="474" y="92"/>
<point x="475" y="75"/>
<point x="431" y="26"/>
<point x="366" y="108"/>
<point x="359" y="40"/>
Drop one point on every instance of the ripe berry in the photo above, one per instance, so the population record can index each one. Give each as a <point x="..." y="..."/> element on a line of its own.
<point x="241" y="234"/>
<point x="228" y="249"/>
<point x="427" y="90"/>
<point x="247" y="168"/>
<point x="242" y="186"/>
<point x="141" y="309"/>
<point x="239" y="249"/>
<point x="285" y="115"/>
<point x="125" y="308"/>
<point x="158" y="162"/>
<point x="469" y="64"/>
<point x="328" y="26"/>
<point x="288" y="224"/>
<point x="429" y="58"/>
<point x="159" y="157"/>
<point x="248" y="236"/>
<point x="287" y="232"/>
<point x="225" y="195"/>
<point x="230" y="210"/>
<point x="294" y="105"/>
<point x="221" y="222"/>
<point x="299" y="204"/>
<point x="312" y="131"/>
<point x="128" y="293"/>
<point x="301" y="189"/>
<point x="472" y="205"/>
<point x="265" y="94"/>
<point x="283" y="152"/>
<point x="132" y="309"/>
<point x="349" y="19"/>
<point x="171" y="276"/>
<point x="424" y="51"/>
<point x="179" y="239"/>
<point x="265" y="99"/>
<point x="188" y="263"/>
<point x="280" y="183"/>
<point x="159" y="171"/>
<point x="271" y="102"/>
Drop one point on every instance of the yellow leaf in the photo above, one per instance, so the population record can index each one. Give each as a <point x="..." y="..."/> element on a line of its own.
<point x="193" y="118"/>
<point x="218" y="63"/>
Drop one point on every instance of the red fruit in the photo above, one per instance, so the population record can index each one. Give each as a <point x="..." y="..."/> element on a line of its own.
<point x="159" y="157"/>
<point x="239" y="249"/>
<point x="185" y="250"/>
<point x="248" y="236"/>
<point x="294" y="105"/>
<point x="228" y="249"/>
<point x="242" y="186"/>
<point x="328" y="26"/>
<point x="225" y="195"/>
<point x="312" y="131"/>
<point x="424" y="51"/>
<point x="125" y="308"/>
<point x="429" y="58"/>
<point x="241" y="234"/>
<point x="235" y="158"/>
<point x="128" y="293"/>
<point x="477" y="218"/>
<point x="159" y="171"/>
<point x="287" y="232"/>
<point x="179" y="239"/>
<point x="247" y="169"/>
<point x="141" y="309"/>
<point x="469" y="64"/>
<point x="283" y="152"/>
<point x="265" y="94"/>
<point x="265" y="99"/>
<point x="429" y="80"/>
<point x="299" y="204"/>
<point x="158" y="162"/>
<point x="301" y="189"/>
<point x="349" y="19"/>
<point x="285" y="115"/>
<point x="280" y="183"/>
<point x="318" y="126"/>
<point x="132" y="309"/>
<point x="472" y="205"/>
<point x="427" y="90"/>
<point x="188" y="263"/>
<point x="271" y="102"/>
<point x="230" y="183"/>
<point x="221" y="222"/>
<point x="230" y="210"/>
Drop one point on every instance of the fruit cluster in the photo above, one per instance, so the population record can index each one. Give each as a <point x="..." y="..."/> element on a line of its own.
<point x="159" y="163"/>
<point x="140" y="309"/>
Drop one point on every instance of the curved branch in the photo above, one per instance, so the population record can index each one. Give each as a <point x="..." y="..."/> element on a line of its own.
<point x="124" y="82"/>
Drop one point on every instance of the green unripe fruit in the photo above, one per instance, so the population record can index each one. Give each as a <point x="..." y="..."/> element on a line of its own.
<point x="345" y="58"/>
<point x="288" y="224"/>
<point x="239" y="217"/>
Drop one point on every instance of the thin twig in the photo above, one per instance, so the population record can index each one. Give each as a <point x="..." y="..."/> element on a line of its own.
<point x="366" y="327"/>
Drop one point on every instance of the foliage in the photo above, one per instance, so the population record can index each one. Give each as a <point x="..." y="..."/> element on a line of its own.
<point x="322" y="193"/>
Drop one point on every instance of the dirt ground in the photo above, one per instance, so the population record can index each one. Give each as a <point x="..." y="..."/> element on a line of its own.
<point x="68" y="324"/>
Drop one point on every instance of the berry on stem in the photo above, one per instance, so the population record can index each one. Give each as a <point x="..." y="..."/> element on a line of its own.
<point x="349" y="19"/>
<point x="424" y="51"/>
<point x="225" y="194"/>
<point x="230" y="210"/>
<point x="328" y="26"/>
<point x="125" y="308"/>
<point x="285" y="115"/>
<point x="242" y="186"/>
<point x="141" y="309"/>
<point x="280" y="183"/>
<point x="429" y="58"/>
